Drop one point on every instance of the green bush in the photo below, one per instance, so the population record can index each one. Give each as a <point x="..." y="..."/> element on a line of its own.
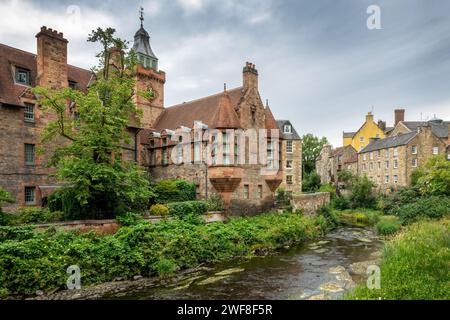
<point x="167" y="191"/>
<point x="282" y="198"/>
<point x="414" y="265"/>
<point x="311" y="182"/>
<point x="340" y="203"/>
<point x="328" y="188"/>
<point x="38" y="215"/>
<point x="215" y="203"/>
<point x="330" y="216"/>
<point x="391" y="202"/>
<point x="388" y="225"/>
<point x="363" y="194"/>
<point x="431" y="207"/>
<point x="159" y="210"/>
<point x="183" y="209"/>
<point x="39" y="260"/>
<point x="129" y="219"/>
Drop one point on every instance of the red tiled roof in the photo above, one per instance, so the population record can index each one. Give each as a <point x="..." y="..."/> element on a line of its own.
<point x="9" y="57"/>
<point x="203" y="110"/>
<point x="225" y="117"/>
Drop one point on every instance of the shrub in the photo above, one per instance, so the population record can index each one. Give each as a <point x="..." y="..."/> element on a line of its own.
<point x="311" y="182"/>
<point x="282" y="198"/>
<point x="329" y="215"/>
<point x="215" y="203"/>
<point x="340" y="203"/>
<point x="328" y="188"/>
<point x="5" y="218"/>
<point x="129" y="219"/>
<point x="165" y="267"/>
<point x="159" y="210"/>
<point x="38" y="215"/>
<point x="406" y="195"/>
<point x="388" y="225"/>
<point x="431" y="207"/>
<point x="183" y="209"/>
<point x="435" y="178"/>
<point x="363" y="195"/>
<point x="174" y="191"/>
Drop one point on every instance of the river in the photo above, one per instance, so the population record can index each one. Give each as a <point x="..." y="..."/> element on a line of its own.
<point x="324" y="269"/>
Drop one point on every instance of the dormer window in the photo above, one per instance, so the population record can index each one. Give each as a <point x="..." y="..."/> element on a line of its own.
<point x="287" y="128"/>
<point x="22" y="76"/>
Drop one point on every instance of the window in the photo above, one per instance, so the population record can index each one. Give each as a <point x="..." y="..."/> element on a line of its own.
<point x="361" y="139"/>
<point x="289" y="147"/>
<point x="377" y="136"/>
<point x="371" y="166"/>
<point x="226" y="149"/>
<point x="287" y="129"/>
<point x="72" y="84"/>
<point x="414" y="149"/>
<point x="395" y="164"/>
<point x="387" y="165"/>
<point x="236" y="150"/>
<point x="371" y="156"/>
<point x="289" y="179"/>
<point x="253" y="117"/>
<point x="29" y="154"/>
<point x="260" y="191"/>
<point x="197" y="152"/>
<point x="364" y="167"/>
<point x="30" y="195"/>
<point x="288" y="164"/>
<point x="29" y="112"/>
<point x="435" y="150"/>
<point x="364" y="157"/>
<point x="386" y="153"/>
<point x="395" y="179"/>
<point x="378" y="154"/>
<point x="395" y="152"/>
<point x="386" y="179"/>
<point x="246" y="191"/>
<point x="23" y="76"/>
<point x="414" y="163"/>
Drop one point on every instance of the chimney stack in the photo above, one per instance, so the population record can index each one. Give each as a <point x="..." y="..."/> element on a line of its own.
<point x="382" y="125"/>
<point x="51" y="59"/>
<point x="399" y="116"/>
<point x="250" y="76"/>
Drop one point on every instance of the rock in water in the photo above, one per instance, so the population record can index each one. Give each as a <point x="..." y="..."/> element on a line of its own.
<point x="229" y="271"/>
<point x="211" y="280"/>
<point x="338" y="269"/>
<point x="319" y="297"/>
<point x="331" y="287"/>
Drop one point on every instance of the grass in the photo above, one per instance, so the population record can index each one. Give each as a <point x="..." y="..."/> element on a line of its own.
<point x="388" y="225"/>
<point x="359" y="217"/>
<point x="415" y="265"/>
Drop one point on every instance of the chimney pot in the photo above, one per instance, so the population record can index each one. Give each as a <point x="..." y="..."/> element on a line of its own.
<point x="399" y="116"/>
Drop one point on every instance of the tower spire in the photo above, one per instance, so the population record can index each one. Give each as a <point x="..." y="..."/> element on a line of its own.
<point x="141" y="13"/>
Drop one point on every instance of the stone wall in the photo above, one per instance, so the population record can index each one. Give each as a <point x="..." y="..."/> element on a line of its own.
<point x="310" y="202"/>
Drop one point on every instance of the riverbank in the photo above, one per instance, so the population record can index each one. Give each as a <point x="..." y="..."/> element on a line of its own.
<point x="415" y="265"/>
<point x="36" y="262"/>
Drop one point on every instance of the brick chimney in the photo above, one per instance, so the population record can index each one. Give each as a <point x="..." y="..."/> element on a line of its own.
<point x="382" y="125"/>
<point x="250" y="76"/>
<point x="369" y="117"/>
<point x="51" y="59"/>
<point x="399" y="116"/>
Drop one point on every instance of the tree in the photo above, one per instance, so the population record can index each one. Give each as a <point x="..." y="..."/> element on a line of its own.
<point x="434" y="179"/>
<point x="312" y="146"/>
<point x="311" y="182"/>
<point x="363" y="195"/>
<point x="5" y="197"/>
<point x="97" y="181"/>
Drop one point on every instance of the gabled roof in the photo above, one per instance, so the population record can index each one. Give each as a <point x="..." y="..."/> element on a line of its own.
<point x="287" y="136"/>
<point x="391" y="142"/>
<point x="438" y="127"/>
<point x="203" y="110"/>
<point x="225" y="116"/>
<point x="10" y="57"/>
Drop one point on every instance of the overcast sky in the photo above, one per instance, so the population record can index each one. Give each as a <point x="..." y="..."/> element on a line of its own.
<point x="319" y="64"/>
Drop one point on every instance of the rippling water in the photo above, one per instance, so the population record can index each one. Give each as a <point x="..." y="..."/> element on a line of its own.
<point x="296" y="273"/>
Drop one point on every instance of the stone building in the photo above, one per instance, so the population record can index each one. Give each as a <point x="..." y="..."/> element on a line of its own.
<point x="291" y="157"/>
<point x="223" y="124"/>
<point x="332" y="161"/>
<point x="390" y="162"/>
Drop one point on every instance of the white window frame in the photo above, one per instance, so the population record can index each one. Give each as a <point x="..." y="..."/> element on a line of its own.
<point x="414" y="149"/>
<point x="289" y="146"/>
<point x="395" y="178"/>
<point x="291" y="166"/>
<point x="27" y="196"/>
<point x="414" y="163"/>
<point x="395" y="166"/>
<point x="287" y="128"/>
<point x="435" y="151"/>
<point x="30" y="152"/>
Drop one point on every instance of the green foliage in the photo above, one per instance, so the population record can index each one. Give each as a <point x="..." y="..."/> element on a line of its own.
<point x="388" y="225"/>
<point x="5" y="218"/>
<point x="311" y="182"/>
<point x="99" y="183"/>
<point x="5" y="197"/>
<point x="215" y="203"/>
<point x="416" y="175"/>
<point x="312" y="146"/>
<point x="183" y="209"/>
<point x="174" y="191"/>
<point x="359" y="217"/>
<point x="414" y="266"/>
<point x="346" y="177"/>
<point x="38" y="215"/>
<point x="282" y="198"/>
<point x="129" y="219"/>
<point x="391" y="202"/>
<point x="328" y="188"/>
<point x="430" y="207"/>
<point x="363" y="194"/>
<point x="159" y="210"/>
<point x="31" y="261"/>
<point x="329" y="215"/>
<point x="340" y="203"/>
<point x="18" y="233"/>
<point x="435" y="178"/>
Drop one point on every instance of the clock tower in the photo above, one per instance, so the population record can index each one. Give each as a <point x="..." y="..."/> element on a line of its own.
<point x="149" y="78"/>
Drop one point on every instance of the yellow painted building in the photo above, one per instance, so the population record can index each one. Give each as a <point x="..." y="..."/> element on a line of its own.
<point x="361" y="138"/>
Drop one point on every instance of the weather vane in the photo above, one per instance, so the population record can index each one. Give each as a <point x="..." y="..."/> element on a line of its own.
<point x="141" y="11"/>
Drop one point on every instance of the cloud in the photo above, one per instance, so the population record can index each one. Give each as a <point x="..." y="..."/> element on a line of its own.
<point x="191" y="6"/>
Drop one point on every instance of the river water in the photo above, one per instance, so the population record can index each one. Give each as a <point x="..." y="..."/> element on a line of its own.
<point x="324" y="269"/>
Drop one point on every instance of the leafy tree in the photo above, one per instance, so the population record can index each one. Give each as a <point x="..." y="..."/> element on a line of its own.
<point x="363" y="195"/>
<point x="311" y="182"/>
<point x="435" y="179"/>
<point x="312" y="146"/>
<point x="97" y="180"/>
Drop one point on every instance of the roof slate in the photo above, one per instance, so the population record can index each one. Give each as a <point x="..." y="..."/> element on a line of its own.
<point x="287" y="136"/>
<point x="391" y="142"/>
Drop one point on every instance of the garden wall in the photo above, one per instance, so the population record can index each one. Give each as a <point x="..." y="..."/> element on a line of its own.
<point x="310" y="202"/>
